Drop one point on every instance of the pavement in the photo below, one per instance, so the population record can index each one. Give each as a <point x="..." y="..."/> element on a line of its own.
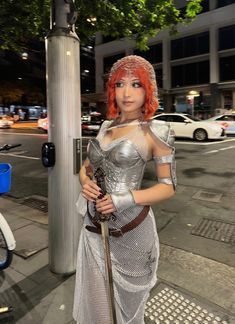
<point x="25" y="125"/>
<point x="196" y="274"/>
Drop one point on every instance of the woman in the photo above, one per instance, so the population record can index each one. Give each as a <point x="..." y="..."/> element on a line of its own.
<point x="122" y="148"/>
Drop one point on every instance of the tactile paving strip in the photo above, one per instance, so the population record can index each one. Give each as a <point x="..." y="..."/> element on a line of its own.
<point x="170" y="306"/>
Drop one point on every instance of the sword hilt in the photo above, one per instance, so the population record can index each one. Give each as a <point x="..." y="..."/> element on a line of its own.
<point x="100" y="180"/>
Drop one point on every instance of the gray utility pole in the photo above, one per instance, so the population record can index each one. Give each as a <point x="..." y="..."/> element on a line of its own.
<point x="64" y="115"/>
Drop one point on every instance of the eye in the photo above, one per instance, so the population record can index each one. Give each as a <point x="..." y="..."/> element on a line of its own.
<point x="136" y="84"/>
<point x="118" y="84"/>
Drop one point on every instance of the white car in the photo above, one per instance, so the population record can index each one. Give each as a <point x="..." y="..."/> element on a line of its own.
<point x="185" y="125"/>
<point x="5" y="122"/>
<point x="43" y="124"/>
<point x="225" y="120"/>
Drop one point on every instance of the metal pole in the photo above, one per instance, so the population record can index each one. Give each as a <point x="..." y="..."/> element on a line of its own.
<point x="64" y="115"/>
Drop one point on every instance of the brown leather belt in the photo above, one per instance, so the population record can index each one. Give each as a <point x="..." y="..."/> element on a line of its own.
<point x="124" y="229"/>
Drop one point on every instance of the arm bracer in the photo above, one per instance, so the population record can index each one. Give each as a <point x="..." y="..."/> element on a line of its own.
<point x="170" y="160"/>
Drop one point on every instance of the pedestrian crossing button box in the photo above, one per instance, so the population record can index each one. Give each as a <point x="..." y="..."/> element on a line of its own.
<point x="48" y="154"/>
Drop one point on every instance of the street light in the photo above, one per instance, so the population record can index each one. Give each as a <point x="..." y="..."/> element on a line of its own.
<point x="191" y="95"/>
<point x="24" y="56"/>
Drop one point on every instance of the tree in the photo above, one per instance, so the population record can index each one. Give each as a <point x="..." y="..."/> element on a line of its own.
<point x="136" y="19"/>
<point x="13" y="92"/>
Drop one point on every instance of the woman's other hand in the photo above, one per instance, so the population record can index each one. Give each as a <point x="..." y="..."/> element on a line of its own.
<point x="105" y="205"/>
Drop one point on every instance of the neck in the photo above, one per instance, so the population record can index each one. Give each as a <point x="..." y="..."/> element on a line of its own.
<point x="125" y="117"/>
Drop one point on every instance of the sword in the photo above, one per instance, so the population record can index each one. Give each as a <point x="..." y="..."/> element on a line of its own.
<point x="103" y="219"/>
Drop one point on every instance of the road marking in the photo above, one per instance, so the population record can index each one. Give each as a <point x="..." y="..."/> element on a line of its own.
<point x="222" y="149"/>
<point x="209" y="152"/>
<point x="20" y="156"/>
<point x="25" y="134"/>
<point x="227" y="148"/>
<point x="207" y="143"/>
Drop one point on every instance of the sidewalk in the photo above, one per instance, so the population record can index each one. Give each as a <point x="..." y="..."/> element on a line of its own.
<point x="196" y="274"/>
<point x="25" y="125"/>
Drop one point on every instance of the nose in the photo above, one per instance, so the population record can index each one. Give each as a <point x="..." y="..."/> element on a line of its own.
<point x="126" y="91"/>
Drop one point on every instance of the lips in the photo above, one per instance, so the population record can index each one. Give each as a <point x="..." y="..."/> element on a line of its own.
<point x="127" y="102"/>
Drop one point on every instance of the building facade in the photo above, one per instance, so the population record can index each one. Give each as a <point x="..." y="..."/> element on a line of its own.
<point x="195" y="69"/>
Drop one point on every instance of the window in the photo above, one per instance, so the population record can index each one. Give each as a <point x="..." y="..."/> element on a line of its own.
<point x="110" y="60"/>
<point x="226" y="118"/>
<point x="190" y="74"/>
<point x="158" y="73"/>
<point x="153" y="55"/>
<point x="163" y="117"/>
<point x="190" y="46"/>
<point x="223" y="3"/>
<point x="205" y="6"/>
<point x="227" y="37"/>
<point x="227" y="68"/>
<point x="203" y="72"/>
<point x="175" y="119"/>
<point x="107" y="39"/>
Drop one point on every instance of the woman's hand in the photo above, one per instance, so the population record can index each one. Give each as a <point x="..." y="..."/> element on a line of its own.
<point x="105" y="205"/>
<point x="90" y="190"/>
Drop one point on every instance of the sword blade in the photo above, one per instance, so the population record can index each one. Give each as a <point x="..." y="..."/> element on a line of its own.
<point x="108" y="270"/>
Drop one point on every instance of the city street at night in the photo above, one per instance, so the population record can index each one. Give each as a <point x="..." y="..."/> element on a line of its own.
<point x="136" y="226"/>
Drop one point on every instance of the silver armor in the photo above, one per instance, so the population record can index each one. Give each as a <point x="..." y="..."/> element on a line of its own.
<point x="135" y="254"/>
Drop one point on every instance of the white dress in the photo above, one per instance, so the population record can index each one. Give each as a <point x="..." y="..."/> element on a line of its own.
<point x="135" y="254"/>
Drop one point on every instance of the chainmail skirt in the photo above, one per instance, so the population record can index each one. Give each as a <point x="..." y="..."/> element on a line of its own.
<point x="134" y="263"/>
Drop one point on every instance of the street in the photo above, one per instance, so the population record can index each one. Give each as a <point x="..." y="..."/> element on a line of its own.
<point x="207" y="165"/>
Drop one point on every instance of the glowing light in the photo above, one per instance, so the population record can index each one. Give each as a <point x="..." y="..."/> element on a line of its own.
<point x="92" y="20"/>
<point x="24" y="56"/>
<point x="194" y="93"/>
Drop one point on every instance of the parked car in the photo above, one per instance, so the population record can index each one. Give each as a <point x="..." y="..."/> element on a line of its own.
<point x="225" y="120"/>
<point x="91" y="125"/>
<point x="5" y="122"/>
<point x="43" y="124"/>
<point x="185" y="125"/>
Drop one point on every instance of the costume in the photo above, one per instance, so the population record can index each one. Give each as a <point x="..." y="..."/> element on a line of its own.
<point x="135" y="254"/>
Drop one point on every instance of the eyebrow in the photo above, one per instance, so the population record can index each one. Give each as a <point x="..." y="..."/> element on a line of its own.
<point x="136" y="79"/>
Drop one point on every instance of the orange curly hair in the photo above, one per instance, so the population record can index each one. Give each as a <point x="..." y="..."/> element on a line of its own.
<point x="151" y="101"/>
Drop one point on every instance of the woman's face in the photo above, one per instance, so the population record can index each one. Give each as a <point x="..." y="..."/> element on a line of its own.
<point x="129" y="94"/>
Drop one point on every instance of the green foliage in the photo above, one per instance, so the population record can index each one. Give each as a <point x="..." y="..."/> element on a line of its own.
<point x="22" y="20"/>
